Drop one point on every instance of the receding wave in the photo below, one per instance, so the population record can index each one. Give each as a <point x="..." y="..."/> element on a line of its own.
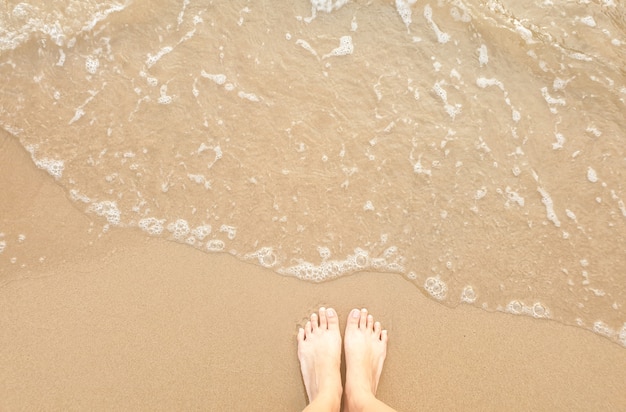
<point x="475" y="148"/>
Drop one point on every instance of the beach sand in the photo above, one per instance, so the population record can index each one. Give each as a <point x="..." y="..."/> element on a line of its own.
<point x="122" y="321"/>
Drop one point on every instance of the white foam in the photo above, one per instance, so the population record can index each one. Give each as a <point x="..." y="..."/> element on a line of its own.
<point x="442" y="37"/>
<point x="592" y="176"/>
<point x="61" y="60"/>
<point x="551" y="100"/>
<point x="547" y="201"/>
<point x="151" y="225"/>
<point x="54" y="167"/>
<point x="202" y="231"/>
<point x="75" y="195"/>
<point x="537" y="310"/>
<point x="603" y="329"/>
<point x="248" y="96"/>
<point x="108" y="209"/>
<point x="153" y="59"/>
<point x="560" y="139"/>
<point x="588" y="20"/>
<point x="265" y="256"/>
<point x="480" y="193"/>
<point x="483" y="55"/>
<point x="468" y="295"/>
<point x="514" y="196"/>
<point x="200" y="179"/>
<point x="163" y="97"/>
<point x="484" y="82"/>
<point x="324" y="252"/>
<point x="3" y="245"/>
<point x="179" y="229"/>
<point x="452" y="110"/>
<point x="219" y="79"/>
<point x="526" y="34"/>
<point x="306" y="46"/>
<point x="230" y="231"/>
<point x="345" y="47"/>
<point x="215" y="245"/>
<point x="403" y="7"/>
<point x="91" y="64"/>
<point x="325" y="6"/>
<point x="436" y="287"/>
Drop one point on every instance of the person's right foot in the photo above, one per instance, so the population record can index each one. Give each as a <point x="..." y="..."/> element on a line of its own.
<point x="366" y="347"/>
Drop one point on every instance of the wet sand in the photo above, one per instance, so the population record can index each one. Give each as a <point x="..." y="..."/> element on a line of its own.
<point x="121" y="321"/>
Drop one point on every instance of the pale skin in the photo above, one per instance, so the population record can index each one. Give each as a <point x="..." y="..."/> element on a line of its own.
<point x="319" y="351"/>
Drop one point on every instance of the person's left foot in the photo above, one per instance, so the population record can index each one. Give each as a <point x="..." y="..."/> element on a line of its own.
<point x="319" y="352"/>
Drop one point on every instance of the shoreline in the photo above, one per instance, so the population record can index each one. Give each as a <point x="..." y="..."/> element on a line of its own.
<point x="126" y="321"/>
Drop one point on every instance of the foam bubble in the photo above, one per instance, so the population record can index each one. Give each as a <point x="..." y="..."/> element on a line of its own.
<point x="219" y="79"/>
<point x="230" y="231"/>
<point x="201" y="232"/>
<point x="265" y="256"/>
<point x="560" y="139"/>
<point x="603" y="329"/>
<point x="515" y="307"/>
<point x="345" y="47"/>
<point x="591" y="175"/>
<point x="403" y="7"/>
<point x="108" y="209"/>
<point x="248" y="96"/>
<point x="215" y="245"/>
<point x="588" y="20"/>
<point x="151" y="225"/>
<point x="468" y="295"/>
<point x="483" y="55"/>
<point x="550" y="213"/>
<point x="324" y="252"/>
<point x="91" y="64"/>
<point x="151" y="60"/>
<point x="179" y="228"/>
<point x="442" y="37"/>
<point x="436" y="287"/>
<point x="163" y="97"/>
<point x="52" y="166"/>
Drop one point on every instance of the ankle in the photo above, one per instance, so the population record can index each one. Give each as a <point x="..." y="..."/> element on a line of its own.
<point x="357" y="398"/>
<point x="330" y="398"/>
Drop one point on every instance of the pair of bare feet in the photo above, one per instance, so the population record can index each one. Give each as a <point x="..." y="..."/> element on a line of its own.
<point x="319" y="351"/>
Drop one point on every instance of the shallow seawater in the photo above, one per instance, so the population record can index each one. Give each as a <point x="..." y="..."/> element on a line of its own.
<point x="476" y="148"/>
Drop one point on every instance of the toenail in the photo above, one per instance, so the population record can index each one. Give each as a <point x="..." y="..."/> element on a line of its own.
<point x="330" y="312"/>
<point x="355" y="313"/>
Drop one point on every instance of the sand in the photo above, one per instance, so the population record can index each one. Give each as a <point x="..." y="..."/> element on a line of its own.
<point x="121" y="321"/>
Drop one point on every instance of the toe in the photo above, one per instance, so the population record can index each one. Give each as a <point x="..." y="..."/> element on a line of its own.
<point x="300" y="334"/>
<point x="363" y="319"/>
<point x="353" y="319"/>
<point x="307" y="329"/>
<point x="323" y="321"/>
<point x="383" y="336"/>
<point x="314" y="322"/>
<point x="377" y="329"/>
<point x="370" y="323"/>
<point x="333" y="320"/>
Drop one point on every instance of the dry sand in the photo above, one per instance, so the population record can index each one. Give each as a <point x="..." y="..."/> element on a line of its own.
<point x="121" y="321"/>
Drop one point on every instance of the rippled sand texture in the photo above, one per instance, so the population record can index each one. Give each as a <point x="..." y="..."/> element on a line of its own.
<point x="476" y="148"/>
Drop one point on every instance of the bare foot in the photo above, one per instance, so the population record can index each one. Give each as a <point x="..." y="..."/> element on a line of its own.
<point x="366" y="347"/>
<point x="319" y="351"/>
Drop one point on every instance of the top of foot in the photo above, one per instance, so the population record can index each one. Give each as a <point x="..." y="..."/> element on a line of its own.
<point x="366" y="348"/>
